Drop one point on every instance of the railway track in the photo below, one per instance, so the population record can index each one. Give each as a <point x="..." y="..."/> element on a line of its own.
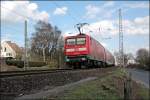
<point x="30" y="72"/>
<point x="34" y="72"/>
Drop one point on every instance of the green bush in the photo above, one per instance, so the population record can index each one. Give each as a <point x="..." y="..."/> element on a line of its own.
<point x="20" y="64"/>
<point x="8" y="62"/>
<point x="37" y="64"/>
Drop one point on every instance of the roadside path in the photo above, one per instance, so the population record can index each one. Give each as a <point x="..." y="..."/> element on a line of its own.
<point x="140" y="76"/>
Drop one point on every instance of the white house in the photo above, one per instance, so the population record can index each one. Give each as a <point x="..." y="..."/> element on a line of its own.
<point x="9" y="49"/>
<point x="131" y="61"/>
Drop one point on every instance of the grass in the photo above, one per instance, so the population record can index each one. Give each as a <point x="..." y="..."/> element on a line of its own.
<point x="109" y="87"/>
<point x="92" y="90"/>
<point x="101" y="89"/>
<point x="144" y="93"/>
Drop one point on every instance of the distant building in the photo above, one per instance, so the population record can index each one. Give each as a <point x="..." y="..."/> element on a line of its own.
<point x="9" y="49"/>
<point x="131" y="61"/>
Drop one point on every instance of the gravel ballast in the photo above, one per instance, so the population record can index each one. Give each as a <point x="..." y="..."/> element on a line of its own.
<point x="12" y="87"/>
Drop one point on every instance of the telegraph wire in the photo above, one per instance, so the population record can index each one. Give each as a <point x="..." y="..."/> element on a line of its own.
<point x="69" y="14"/>
<point x="12" y="28"/>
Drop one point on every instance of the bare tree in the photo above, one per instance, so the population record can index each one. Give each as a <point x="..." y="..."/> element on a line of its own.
<point x="44" y="39"/>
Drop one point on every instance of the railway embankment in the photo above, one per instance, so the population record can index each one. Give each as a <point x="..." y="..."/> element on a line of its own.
<point x="16" y="86"/>
<point x="109" y="87"/>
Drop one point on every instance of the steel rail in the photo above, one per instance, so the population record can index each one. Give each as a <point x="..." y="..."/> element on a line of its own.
<point x="34" y="72"/>
<point x="30" y="72"/>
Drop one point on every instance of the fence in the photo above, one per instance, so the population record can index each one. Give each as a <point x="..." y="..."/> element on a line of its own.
<point x="128" y="88"/>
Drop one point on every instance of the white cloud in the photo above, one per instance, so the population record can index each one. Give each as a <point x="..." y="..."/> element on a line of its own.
<point x="109" y="4"/>
<point x="102" y="28"/>
<point x="139" y="25"/>
<point x="16" y="11"/>
<point x="92" y="11"/>
<point x="138" y="5"/>
<point x="107" y="28"/>
<point x="42" y="16"/>
<point x="60" y="11"/>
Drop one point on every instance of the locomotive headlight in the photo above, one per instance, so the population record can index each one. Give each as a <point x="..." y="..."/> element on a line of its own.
<point x="82" y="49"/>
<point x="83" y="59"/>
<point x="70" y="50"/>
<point x="67" y="59"/>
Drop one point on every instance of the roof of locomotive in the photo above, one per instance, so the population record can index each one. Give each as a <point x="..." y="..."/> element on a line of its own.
<point x="76" y="35"/>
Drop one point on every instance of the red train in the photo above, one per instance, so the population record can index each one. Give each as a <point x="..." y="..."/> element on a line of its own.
<point x="84" y="51"/>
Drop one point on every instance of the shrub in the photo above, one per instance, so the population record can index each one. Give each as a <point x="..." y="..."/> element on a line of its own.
<point x="36" y="64"/>
<point x="20" y="63"/>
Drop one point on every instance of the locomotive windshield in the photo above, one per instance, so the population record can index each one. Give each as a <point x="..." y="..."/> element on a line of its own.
<point x="81" y="40"/>
<point x="71" y="41"/>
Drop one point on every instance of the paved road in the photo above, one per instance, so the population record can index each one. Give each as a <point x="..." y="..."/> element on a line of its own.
<point x="141" y="76"/>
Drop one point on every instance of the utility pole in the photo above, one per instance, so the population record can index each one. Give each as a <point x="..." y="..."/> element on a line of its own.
<point x="25" y="41"/>
<point x="44" y="53"/>
<point x="121" y="54"/>
<point x="60" y="50"/>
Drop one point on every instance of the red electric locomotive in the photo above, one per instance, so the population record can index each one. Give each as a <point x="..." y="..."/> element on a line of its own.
<point x="84" y="51"/>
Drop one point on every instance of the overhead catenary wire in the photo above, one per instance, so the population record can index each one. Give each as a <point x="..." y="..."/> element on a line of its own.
<point x="69" y="14"/>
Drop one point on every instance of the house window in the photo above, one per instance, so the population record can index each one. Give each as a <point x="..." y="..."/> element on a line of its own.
<point x="8" y="54"/>
<point x="5" y="49"/>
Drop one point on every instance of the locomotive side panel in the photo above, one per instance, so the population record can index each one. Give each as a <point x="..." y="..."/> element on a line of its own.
<point x="96" y="50"/>
<point x="109" y="58"/>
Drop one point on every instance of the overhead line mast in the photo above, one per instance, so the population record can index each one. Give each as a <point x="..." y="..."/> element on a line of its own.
<point x="121" y="53"/>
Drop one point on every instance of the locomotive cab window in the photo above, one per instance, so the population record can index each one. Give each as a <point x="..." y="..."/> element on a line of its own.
<point x="81" y="40"/>
<point x="71" y="41"/>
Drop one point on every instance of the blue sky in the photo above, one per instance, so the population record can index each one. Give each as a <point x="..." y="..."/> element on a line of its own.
<point x="65" y="14"/>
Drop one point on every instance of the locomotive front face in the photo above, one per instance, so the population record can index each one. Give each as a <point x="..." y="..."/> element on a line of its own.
<point x="76" y="48"/>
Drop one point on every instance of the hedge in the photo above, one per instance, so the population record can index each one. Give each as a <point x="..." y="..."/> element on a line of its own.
<point x="20" y="64"/>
